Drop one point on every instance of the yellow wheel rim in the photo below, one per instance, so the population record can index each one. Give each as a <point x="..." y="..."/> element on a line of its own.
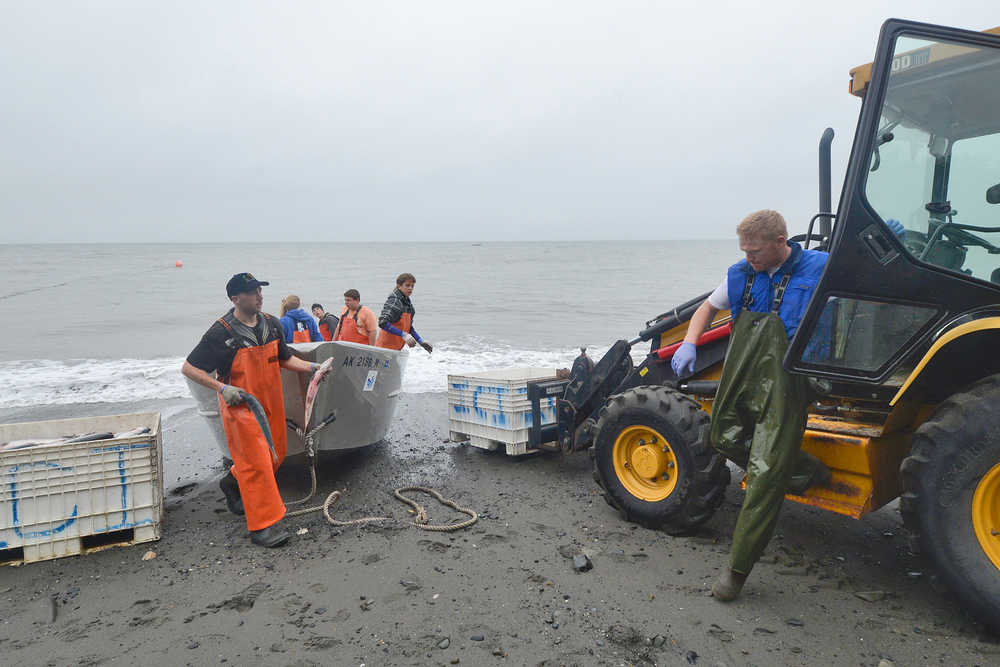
<point x="645" y="463"/>
<point x="986" y="514"/>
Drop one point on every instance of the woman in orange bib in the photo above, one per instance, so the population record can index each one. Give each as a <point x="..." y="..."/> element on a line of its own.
<point x="396" y="321"/>
<point x="297" y="324"/>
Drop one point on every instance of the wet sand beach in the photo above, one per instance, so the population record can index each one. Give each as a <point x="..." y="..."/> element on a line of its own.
<point x="830" y="590"/>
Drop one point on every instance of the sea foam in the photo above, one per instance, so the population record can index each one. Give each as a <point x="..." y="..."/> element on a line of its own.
<point x="28" y="383"/>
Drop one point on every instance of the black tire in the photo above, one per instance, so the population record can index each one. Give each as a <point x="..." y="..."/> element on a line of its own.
<point x="701" y="472"/>
<point x="952" y="452"/>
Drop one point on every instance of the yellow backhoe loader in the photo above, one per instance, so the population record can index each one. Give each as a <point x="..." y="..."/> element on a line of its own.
<point x="902" y="332"/>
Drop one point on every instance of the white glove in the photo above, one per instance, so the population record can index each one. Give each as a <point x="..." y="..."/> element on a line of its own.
<point x="231" y="395"/>
<point x="410" y="340"/>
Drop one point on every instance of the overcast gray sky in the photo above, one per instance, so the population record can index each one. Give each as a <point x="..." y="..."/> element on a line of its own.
<point x="359" y="121"/>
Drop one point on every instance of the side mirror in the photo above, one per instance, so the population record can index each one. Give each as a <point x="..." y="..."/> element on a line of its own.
<point x="993" y="194"/>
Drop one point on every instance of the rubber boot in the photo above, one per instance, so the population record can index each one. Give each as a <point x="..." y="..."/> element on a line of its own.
<point x="272" y="536"/>
<point x="821" y="476"/>
<point x="229" y="486"/>
<point x="728" y="586"/>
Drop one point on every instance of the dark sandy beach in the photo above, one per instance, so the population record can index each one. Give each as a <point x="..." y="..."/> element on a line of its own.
<point x="502" y="592"/>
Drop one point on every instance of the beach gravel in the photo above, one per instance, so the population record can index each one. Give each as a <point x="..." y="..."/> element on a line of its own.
<point x="501" y="591"/>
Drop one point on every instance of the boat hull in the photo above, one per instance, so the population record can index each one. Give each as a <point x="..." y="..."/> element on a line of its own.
<point x="363" y="390"/>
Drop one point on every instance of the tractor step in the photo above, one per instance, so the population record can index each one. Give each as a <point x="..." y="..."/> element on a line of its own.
<point x="865" y="471"/>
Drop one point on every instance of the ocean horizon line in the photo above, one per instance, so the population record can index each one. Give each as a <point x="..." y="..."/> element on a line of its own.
<point x="290" y="243"/>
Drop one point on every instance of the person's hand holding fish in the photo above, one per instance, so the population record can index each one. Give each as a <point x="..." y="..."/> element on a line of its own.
<point x="231" y="395"/>
<point x="321" y="370"/>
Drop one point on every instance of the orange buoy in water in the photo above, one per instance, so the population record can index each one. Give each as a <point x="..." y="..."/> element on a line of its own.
<point x="178" y="264"/>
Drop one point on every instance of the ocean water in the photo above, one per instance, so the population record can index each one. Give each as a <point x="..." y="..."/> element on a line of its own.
<point x="95" y="323"/>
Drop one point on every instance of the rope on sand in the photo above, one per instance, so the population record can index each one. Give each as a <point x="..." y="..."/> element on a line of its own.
<point x="421" y="514"/>
<point x="308" y="436"/>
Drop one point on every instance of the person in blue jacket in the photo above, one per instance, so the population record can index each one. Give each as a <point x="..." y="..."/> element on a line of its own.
<point x="760" y="410"/>
<point x="298" y="325"/>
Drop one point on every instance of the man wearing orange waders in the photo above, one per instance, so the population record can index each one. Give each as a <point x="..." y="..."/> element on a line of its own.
<point x="396" y="320"/>
<point x="241" y="357"/>
<point x="760" y="409"/>
<point x="357" y="322"/>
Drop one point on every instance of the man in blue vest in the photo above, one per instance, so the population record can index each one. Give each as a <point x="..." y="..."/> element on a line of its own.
<point x="759" y="413"/>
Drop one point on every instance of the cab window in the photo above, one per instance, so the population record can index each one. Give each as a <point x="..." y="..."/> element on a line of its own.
<point x="936" y="160"/>
<point x="863" y="334"/>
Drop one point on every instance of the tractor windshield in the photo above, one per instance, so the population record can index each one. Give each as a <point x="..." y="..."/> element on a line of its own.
<point x="936" y="162"/>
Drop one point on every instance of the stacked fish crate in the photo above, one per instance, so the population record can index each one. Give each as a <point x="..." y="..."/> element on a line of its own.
<point x="78" y="485"/>
<point x="490" y="409"/>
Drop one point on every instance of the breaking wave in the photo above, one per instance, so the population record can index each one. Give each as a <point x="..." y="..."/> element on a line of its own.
<point x="27" y="383"/>
<point x="44" y="382"/>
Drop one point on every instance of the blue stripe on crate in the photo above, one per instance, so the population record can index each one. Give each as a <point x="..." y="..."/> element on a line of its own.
<point x="123" y="478"/>
<point x="488" y="389"/>
<point x="480" y="389"/>
<point x="120" y="448"/>
<point x="121" y="475"/>
<point x="12" y="473"/>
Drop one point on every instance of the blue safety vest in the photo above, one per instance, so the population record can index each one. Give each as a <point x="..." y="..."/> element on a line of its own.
<point x="789" y="289"/>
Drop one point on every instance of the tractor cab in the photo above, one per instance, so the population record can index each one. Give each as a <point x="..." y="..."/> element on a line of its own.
<point x="927" y="154"/>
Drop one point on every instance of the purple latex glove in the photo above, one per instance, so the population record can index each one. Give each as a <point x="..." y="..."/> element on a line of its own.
<point x="684" y="358"/>
<point x="896" y="226"/>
